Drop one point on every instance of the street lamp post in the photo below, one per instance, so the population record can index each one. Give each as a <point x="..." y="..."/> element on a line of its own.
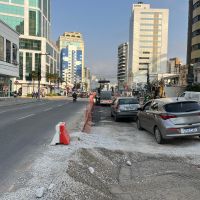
<point x="39" y="73"/>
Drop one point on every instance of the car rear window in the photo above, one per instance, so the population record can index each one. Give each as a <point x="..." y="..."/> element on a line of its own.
<point x="182" y="107"/>
<point x="128" y="101"/>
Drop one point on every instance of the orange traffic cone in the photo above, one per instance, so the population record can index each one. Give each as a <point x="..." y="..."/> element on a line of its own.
<point x="64" y="135"/>
<point x="61" y="136"/>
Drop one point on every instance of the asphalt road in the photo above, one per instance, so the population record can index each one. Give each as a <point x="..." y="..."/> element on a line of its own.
<point x="25" y="129"/>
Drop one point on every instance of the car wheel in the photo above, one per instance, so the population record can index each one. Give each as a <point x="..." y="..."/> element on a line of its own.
<point x="158" y="136"/>
<point x="116" y="118"/>
<point x="111" y="114"/>
<point x="138" y="124"/>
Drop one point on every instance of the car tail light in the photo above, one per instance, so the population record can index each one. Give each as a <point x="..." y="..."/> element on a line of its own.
<point x="165" y="116"/>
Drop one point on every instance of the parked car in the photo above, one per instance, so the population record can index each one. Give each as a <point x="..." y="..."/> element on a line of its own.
<point x="190" y="95"/>
<point x="169" y="118"/>
<point x="105" y="98"/>
<point x="124" y="107"/>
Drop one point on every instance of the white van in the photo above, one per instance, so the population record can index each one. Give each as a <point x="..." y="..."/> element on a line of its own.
<point x="190" y="95"/>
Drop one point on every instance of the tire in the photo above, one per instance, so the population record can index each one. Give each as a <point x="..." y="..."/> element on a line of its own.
<point x="138" y="124"/>
<point x="116" y="118"/>
<point x="111" y="114"/>
<point x="158" y="136"/>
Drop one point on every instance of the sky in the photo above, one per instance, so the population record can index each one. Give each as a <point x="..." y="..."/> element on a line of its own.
<point x="105" y="25"/>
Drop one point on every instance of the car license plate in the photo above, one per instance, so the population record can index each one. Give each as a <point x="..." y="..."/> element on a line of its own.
<point x="189" y="130"/>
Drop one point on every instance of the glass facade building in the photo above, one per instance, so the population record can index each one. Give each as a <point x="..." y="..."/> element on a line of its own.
<point x="71" y="46"/>
<point x="31" y="19"/>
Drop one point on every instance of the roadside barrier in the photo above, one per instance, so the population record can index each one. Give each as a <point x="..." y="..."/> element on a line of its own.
<point x="62" y="135"/>
<point x="88" y="115"/>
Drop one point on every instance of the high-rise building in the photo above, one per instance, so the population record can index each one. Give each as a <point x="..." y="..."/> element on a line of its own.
<point x="193" y="47"/>
<point x="122" y="74"/>
<point x="148" y="43"/>
<point x="71" y="46"/>
<point x="38" y="56"/>
<point x="174" y="65"/>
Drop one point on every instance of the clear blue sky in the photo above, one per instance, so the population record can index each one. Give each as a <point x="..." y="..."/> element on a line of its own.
<point x="105" y="24"/>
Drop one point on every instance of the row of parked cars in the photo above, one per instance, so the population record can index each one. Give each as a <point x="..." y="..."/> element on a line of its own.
<point x="165" y="118"/>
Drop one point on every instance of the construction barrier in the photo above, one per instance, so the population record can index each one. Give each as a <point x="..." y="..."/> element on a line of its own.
<point x="88" y="115"/>
<point x="62" y="135"/>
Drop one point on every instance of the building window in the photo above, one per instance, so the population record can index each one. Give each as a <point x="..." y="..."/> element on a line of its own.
<point x="196" y="5"/>
<point x="20" y="2"/>
<point x="35" y="3"/>
<point x="34" y="23"/>
<point x="28" y="66"/>
<point x="143" y="58"/>
<point x="196" y="33"/>
<point x="20" y="66"/>
<point x="14" y="52"/>
<point x="195" y="47"/>
<point x="1" y="48"/>
<point x="17" y="23"/>
<point x="8" y="51"/>
<point x="30" y="44"/>
<point x="196" y="19"/>
<point x="16" y="10"/>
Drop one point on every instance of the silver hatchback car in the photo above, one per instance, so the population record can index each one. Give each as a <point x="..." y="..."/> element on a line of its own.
<point x="124" y="107"/>
<point x="169" y="118"/>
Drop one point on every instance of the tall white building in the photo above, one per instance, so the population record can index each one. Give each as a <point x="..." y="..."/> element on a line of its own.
<point x="148" y="43"/>
<point x="122" y="74"/>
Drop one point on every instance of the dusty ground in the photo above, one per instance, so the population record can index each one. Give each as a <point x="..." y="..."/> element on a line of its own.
<point x="169" y="171"/>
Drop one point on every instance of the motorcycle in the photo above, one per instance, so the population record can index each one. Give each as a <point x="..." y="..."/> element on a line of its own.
<point x="74" y="99"/>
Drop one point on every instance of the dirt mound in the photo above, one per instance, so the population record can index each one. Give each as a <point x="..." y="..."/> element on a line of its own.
<point x="148" y="177"/>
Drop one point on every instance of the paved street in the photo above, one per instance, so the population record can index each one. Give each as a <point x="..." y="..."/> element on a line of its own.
<point x="169" y="171"/>
<point x="25" y="128"/>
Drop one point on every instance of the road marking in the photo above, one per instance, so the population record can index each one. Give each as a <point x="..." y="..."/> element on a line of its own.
<point x="47" y="109"/>
<point x="25" y="116"/>
<point x="3" y="111"/>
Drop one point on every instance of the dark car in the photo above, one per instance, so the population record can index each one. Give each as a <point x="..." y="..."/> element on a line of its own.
<point x="124" y="107"/>
<point x="169" y="118"/>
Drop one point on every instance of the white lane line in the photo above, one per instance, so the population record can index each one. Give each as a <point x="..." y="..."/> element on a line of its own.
<point x="47" y="109"/>
<point x="22" y="108"/>
<point x="25" y="116"/>
<point x="3" y="111"/>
